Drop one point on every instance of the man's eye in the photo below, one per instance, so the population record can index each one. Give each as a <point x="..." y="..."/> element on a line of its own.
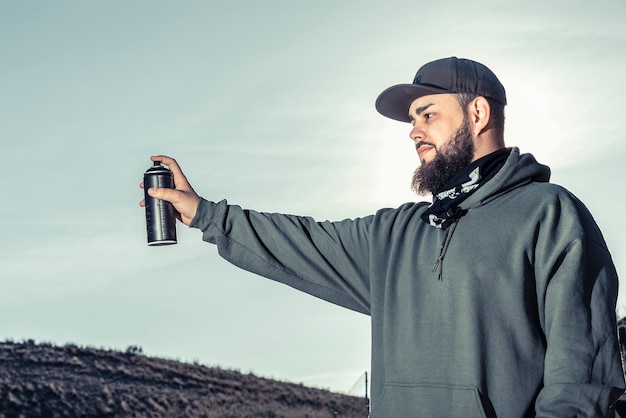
<point x="428" y="115"/>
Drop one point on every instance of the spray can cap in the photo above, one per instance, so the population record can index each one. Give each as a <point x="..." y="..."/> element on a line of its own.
<point x="158" y="168"/>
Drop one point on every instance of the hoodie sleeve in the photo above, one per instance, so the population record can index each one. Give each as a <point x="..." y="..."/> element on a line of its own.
<point x="325" y="259"/>
<point x="583" y="374"/>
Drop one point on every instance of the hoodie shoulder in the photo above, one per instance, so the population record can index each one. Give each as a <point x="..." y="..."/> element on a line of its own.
<point x="524" y="168"/>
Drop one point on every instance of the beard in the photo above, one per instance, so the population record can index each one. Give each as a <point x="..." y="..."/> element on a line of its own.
<point x="453" y="156"/>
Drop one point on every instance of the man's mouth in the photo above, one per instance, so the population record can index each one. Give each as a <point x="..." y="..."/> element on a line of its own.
<point x="423" y="148"/>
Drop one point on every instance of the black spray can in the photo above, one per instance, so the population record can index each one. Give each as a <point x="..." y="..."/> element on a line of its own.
<point x="160" y="215"/>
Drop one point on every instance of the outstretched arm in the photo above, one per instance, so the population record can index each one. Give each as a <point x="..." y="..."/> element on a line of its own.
<point x="183" y="197"/>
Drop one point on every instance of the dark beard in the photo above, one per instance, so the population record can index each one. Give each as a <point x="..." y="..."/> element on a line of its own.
<point x="453" y="156"/>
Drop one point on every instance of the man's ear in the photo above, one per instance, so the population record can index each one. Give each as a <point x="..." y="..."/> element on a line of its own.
<point x="479" y="114"/>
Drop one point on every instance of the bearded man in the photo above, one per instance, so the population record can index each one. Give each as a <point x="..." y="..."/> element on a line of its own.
<point x="496" y="300"/>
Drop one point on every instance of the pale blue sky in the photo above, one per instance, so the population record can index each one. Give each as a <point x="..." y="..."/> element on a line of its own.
<point x="269" y="104"/>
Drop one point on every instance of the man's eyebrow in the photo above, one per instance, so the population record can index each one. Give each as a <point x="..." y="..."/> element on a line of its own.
<point x="421" y="109"/>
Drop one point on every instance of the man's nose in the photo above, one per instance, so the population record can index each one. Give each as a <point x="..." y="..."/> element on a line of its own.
<point x="416" y="134"/>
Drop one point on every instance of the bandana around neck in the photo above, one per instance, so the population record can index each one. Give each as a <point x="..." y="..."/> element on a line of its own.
<point x="445" y="207"/>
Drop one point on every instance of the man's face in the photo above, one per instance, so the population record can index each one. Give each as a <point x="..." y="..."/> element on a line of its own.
<point x="443" y="141"/>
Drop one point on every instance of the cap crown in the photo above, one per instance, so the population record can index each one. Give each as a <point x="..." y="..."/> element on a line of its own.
<point x="446" y="75"/>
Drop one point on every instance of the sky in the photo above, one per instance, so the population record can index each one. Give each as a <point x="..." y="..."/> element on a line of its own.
<point x="270" y="105"/>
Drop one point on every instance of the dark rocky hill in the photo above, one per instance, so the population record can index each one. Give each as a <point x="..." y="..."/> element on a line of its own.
<point x="43" y="380"/>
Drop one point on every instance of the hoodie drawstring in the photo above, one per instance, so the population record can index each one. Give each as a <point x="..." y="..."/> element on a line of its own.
<point x="446" y="243"/>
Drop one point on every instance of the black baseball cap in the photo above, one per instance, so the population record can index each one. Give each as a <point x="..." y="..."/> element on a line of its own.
<point x="446" y="75"/>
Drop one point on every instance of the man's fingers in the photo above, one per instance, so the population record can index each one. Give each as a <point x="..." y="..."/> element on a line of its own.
<point x="164" y="159"/>
<point x="179" y="177"/>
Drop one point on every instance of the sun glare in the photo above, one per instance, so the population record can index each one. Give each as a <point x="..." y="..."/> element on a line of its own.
<point x="551" y="121"/>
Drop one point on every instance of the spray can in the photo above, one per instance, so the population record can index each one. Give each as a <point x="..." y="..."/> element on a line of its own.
<point x="160" y="215"/>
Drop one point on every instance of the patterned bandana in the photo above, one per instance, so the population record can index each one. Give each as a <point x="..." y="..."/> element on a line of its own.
<point x="445" y="207"/>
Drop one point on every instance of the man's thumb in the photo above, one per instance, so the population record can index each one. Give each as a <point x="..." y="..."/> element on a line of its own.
<point x="160" y="193"/>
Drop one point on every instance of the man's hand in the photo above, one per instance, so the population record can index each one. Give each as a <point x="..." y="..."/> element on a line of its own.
<point x="183" y="197"/>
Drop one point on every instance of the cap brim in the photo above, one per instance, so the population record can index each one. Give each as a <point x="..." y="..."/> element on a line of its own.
<point x="394" y="102"/>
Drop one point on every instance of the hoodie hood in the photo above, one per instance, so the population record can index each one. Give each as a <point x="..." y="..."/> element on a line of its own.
<point x="518" y="170"/>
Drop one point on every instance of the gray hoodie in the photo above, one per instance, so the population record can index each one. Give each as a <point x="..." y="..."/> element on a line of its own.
<point x="510" y="312"/>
